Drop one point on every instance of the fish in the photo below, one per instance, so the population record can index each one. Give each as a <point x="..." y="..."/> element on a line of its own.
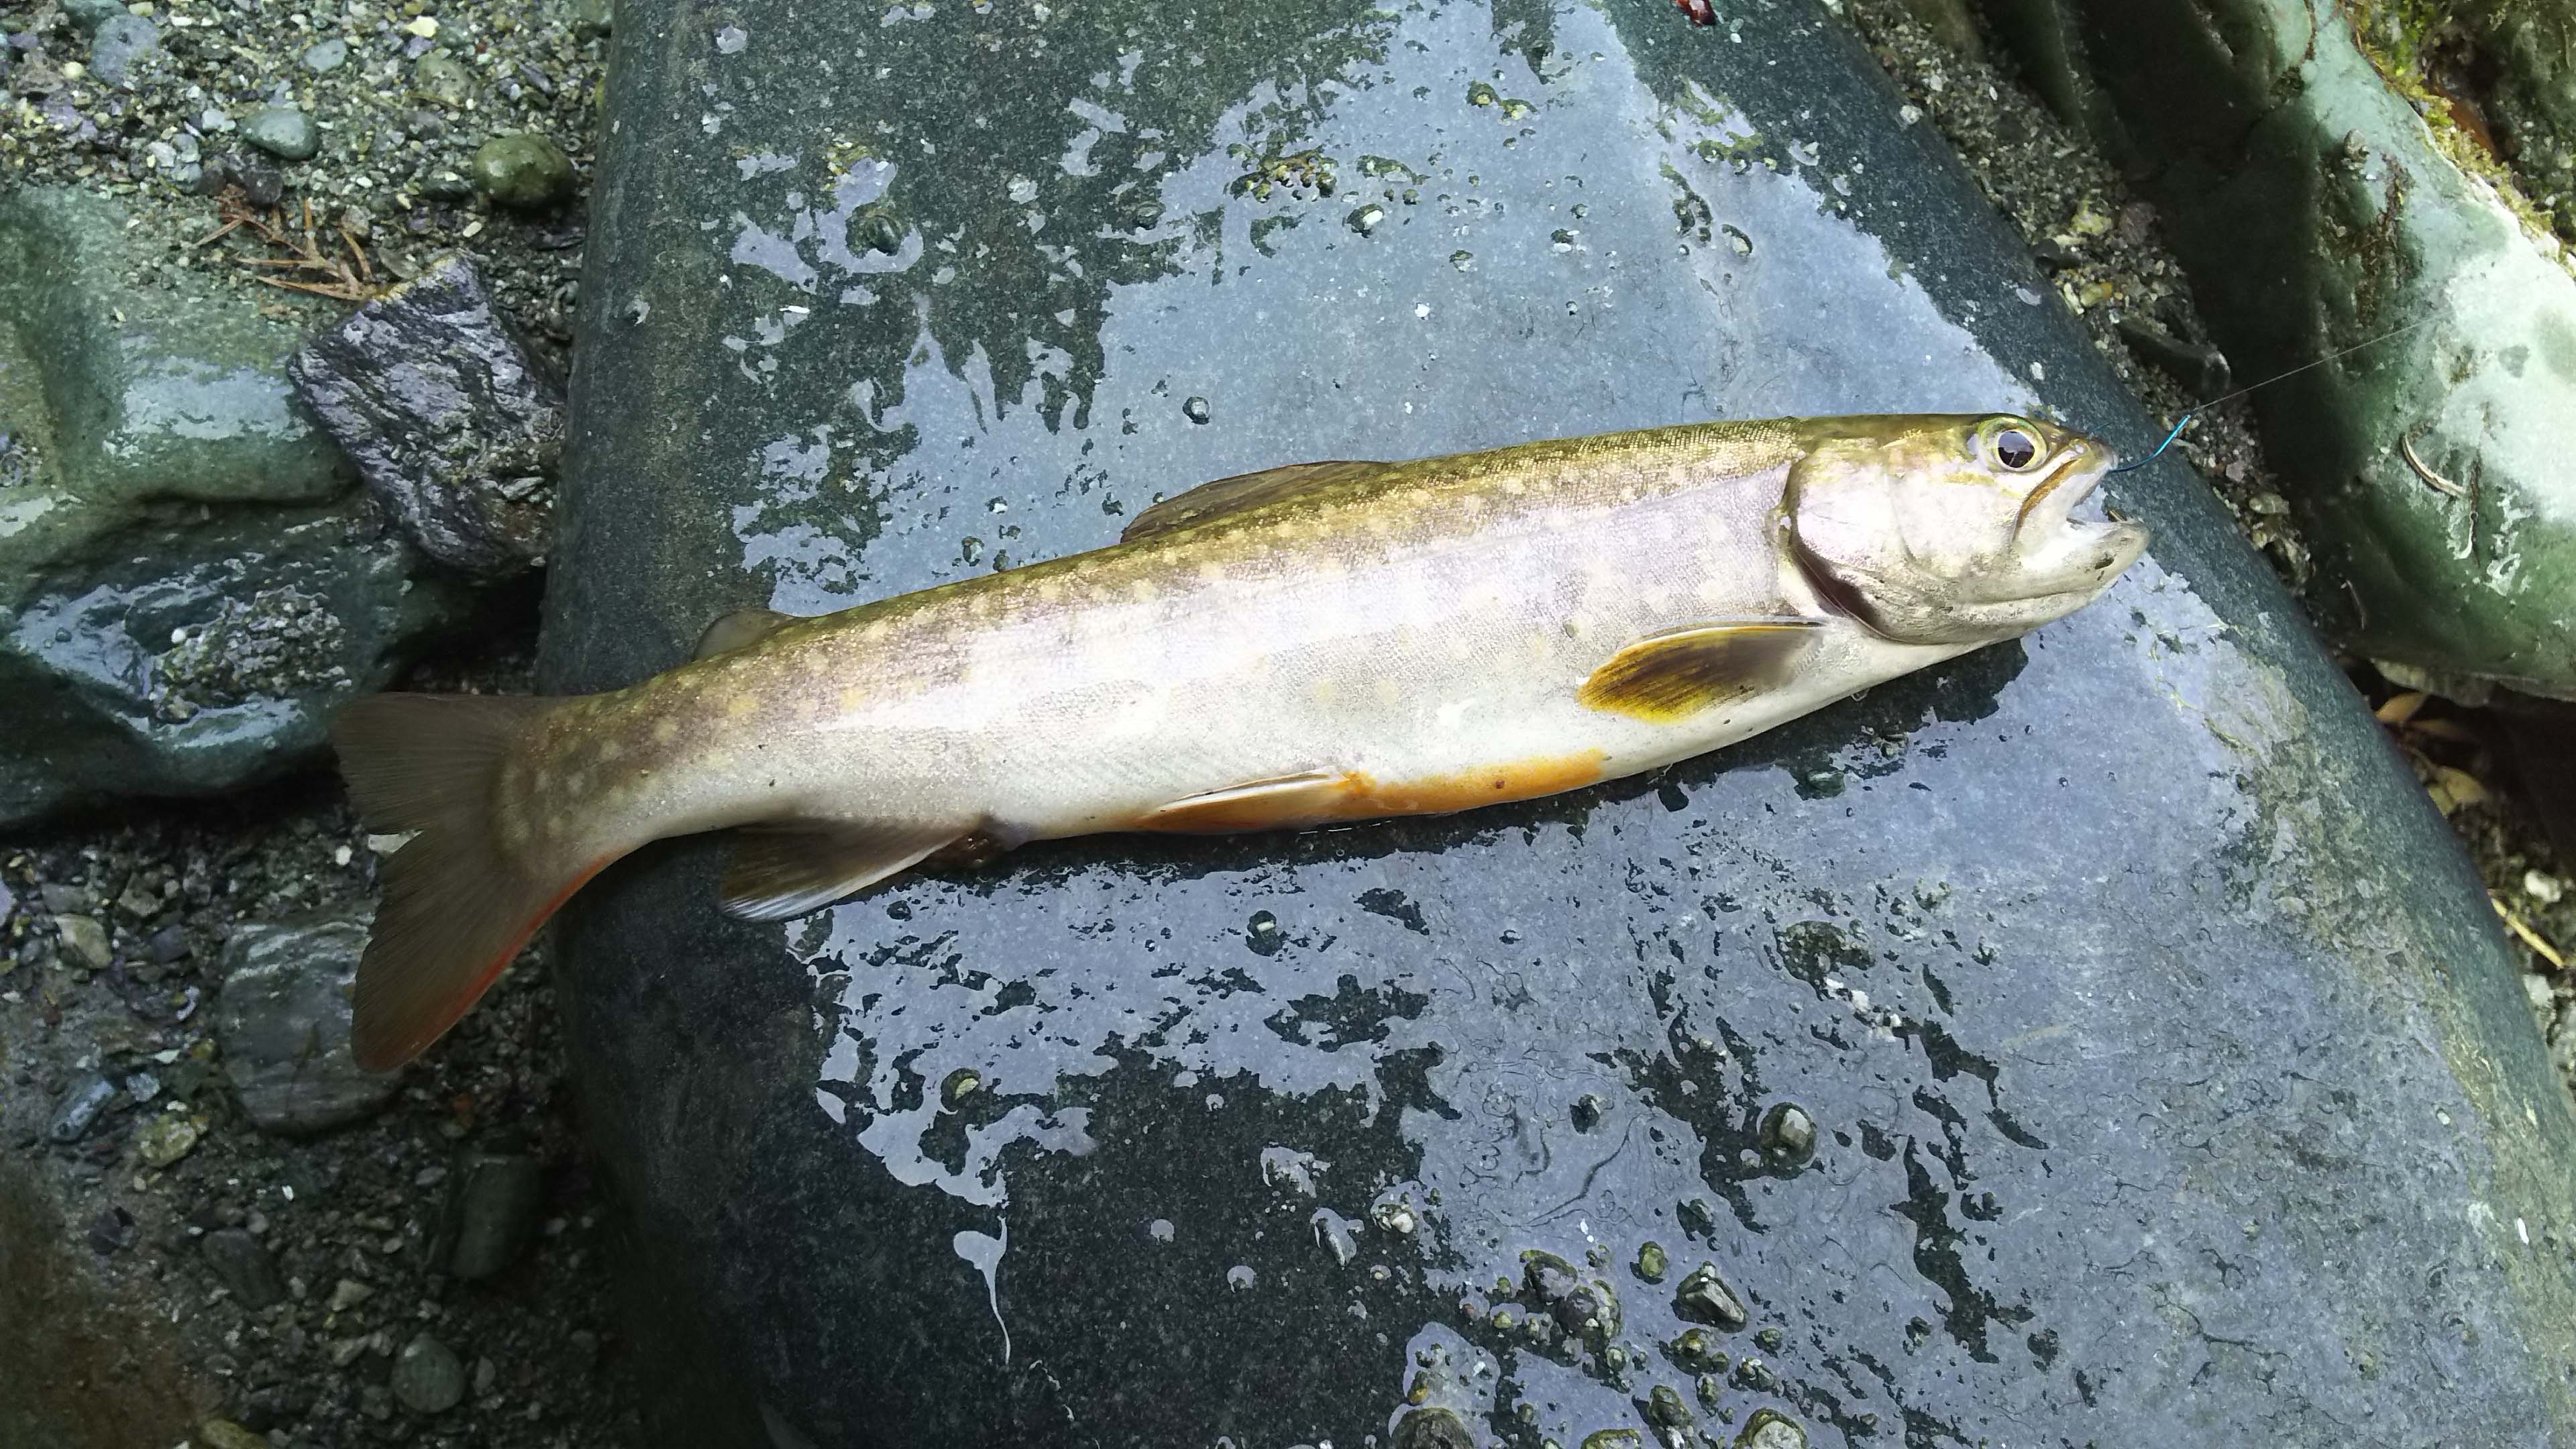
<point x="1304" y="646"/>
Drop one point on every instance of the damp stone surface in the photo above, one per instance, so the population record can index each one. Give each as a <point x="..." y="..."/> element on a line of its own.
<point x="2159" y="1074"/>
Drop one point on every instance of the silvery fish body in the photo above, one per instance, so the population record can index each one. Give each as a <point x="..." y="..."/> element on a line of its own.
<point x="1322" y="642"/>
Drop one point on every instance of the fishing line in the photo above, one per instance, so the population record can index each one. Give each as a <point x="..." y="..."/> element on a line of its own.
<point x="2186" y="418"/>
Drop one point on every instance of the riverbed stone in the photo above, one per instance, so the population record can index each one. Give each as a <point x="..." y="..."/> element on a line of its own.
<point x="282" y="1019"/>
<point x="2127" y="981"/>
<point x="454" y="427"/>
<point x="190" y="579"/>
<point x="2428" y="471"/>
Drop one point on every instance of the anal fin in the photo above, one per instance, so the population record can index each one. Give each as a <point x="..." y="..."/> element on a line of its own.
<point x="1285" y="801"/>
<point x="791" y="869"/>
<point x="1669" y="676"/>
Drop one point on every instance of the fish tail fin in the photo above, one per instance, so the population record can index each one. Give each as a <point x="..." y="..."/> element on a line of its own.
<point x="460" y="898"/>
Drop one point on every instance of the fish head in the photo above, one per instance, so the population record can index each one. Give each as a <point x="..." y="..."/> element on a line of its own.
<point x="1953" y="529"/>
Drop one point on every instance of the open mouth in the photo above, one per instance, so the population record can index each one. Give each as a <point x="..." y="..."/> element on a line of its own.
<point x="2073" y="480"/>
<point x="2098" y="546"/>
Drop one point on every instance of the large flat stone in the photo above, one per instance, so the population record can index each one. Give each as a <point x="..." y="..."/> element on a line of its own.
<point x="2168" y="1080"/>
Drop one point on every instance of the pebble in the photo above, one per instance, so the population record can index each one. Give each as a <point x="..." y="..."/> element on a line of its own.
<point x="225" y="1434"/>
<point x="139" y="900"/>
<point x="110" y="1231"/>
<point x="427" y="1378"/>
<point x="326" y="56"/>
<point x="261" y="182"/>
<point x="443" y="76"/>
<point x="81" y="1106"/>
<point x="593" y="18"/>
<point x="122" y="43"/>
<point x="283" y="132"/>
<point x="168" y="944"/>
<point x="245" y="1266"/>
<point x="523" y="170"/>
<point x="1705" y="1298"/>
<point x="1196" y="410"/>
<point x="348" y="1293"/>
<point x="91" y="14"/>
<point x="85" y="938"/>
<point x="167" y="1138"/>
<point x="491" y="1211"/>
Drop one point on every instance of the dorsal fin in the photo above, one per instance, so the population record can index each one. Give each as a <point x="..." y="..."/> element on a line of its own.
<point x="743" y="626"/>
<point x="1244" y="490"/>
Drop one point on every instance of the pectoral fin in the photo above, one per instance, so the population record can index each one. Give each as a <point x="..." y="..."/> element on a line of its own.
<point x="743" y="626"/>
<point x="1666" y="677"/>
<point x="1244" y="490"/>
<point x="780" y="871"/>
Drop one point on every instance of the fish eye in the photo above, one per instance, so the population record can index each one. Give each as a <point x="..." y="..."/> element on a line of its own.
<point x="2014" y="446"/>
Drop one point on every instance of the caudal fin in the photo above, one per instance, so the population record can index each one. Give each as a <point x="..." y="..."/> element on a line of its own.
<point x="459" y="901"/>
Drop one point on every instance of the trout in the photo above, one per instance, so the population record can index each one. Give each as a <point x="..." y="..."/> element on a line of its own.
<point x="1317" y="643"/>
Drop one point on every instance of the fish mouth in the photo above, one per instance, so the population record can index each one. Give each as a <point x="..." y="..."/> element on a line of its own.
<point x="2077" y="473"/>
<point x="2048" y="524"/>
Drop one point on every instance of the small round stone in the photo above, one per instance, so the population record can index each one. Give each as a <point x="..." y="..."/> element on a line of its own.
<point x="122" y="45"/>
<point x="1196" y="409"/>
<point x="525" y="171"/>
<point x="442" y="76"/>
<point x="427" y="1377"/>
<point x="326" y="56"/>
<point x="283" y="132"/>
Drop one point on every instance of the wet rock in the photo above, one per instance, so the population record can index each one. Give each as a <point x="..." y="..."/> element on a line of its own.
<point x="112" y="1231"/>
<point x="2426" y="474"/>
<point x="427" y="1378"/>
<point x="89" y="15"/>
<point x="244" y="1265"/>
<point x="1771" y="1429"/>
<point x="122" y="45"/>
<point x="225" y="1434"/>
<point x="283" y="132"/>
<point x="86" y="940"/>
<point x="443" y="76"/>
<point x="164" y="1139"/>
<point x="2002" y="1109"/>
<point x="490" y="1213"/>
<point x="524" y="171"/>
<point x="450" y="422"/>
<point x="80" y="1109"/>
<point x="282" y="1020"/>
<point x="1703" y="1297"/>
<point x="593" y="18"/>
<point x="189" y="580"/>
<point x="324" y="57"/>
<point x="1432" y="1429"/>
<point x="2196" y="365"/>
<point x="1788" y="1135"/>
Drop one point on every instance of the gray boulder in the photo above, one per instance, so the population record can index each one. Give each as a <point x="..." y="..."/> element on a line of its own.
<point x="190" y="582"/>
<point x="2158" y="1073"/>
